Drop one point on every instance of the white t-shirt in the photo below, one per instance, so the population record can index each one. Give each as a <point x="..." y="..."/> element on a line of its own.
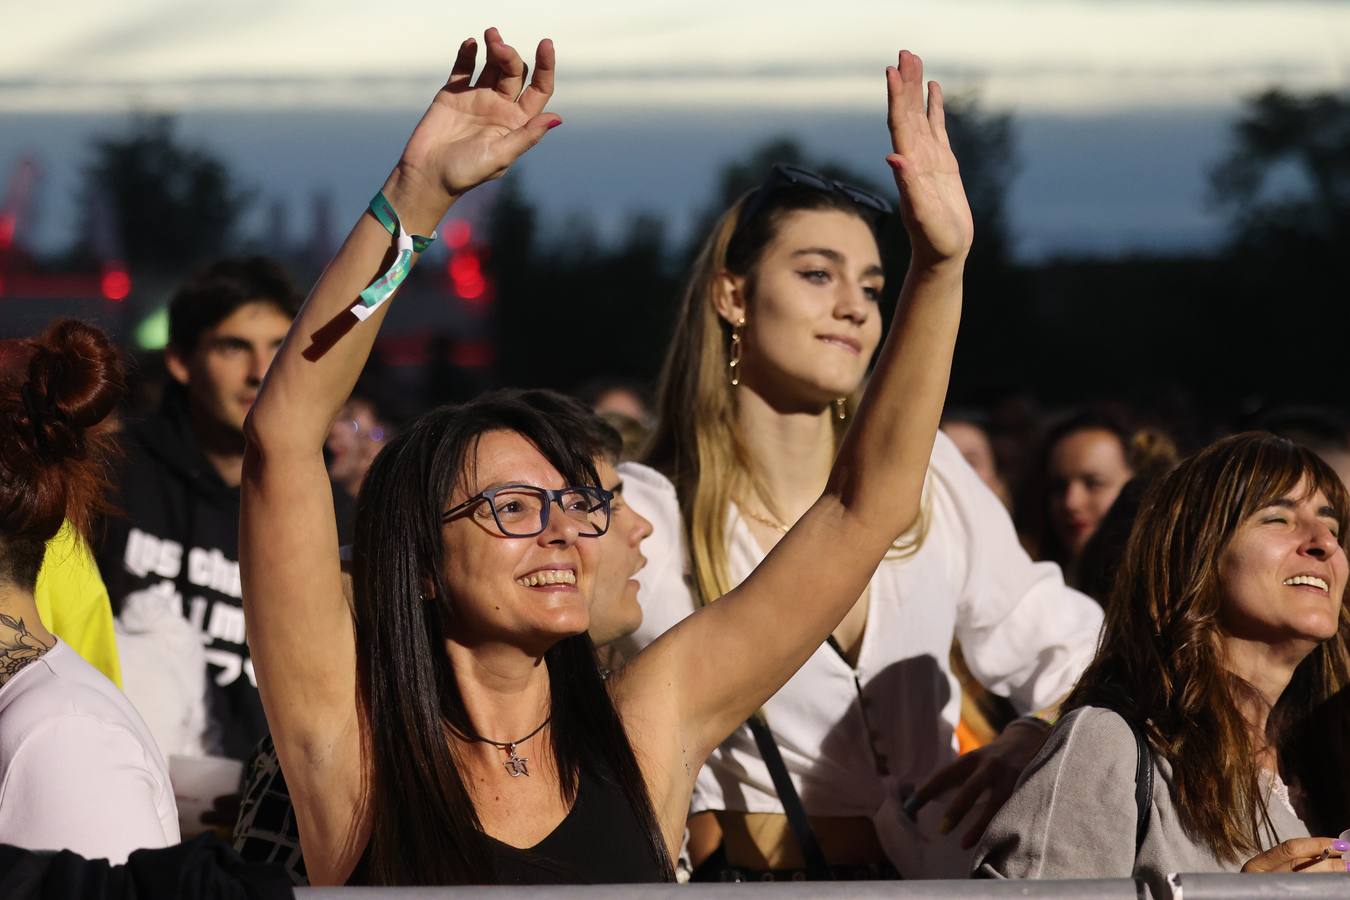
<point x="1024" y="634"/>
<point x="164" y="669"/>
<point x="79" y="770"/>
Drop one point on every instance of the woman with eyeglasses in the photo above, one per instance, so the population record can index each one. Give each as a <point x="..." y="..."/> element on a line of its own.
<point x="780" y="322"/>
<point x="454" y="728"/>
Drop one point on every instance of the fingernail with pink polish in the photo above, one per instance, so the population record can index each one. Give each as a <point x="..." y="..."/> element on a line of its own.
<point x="893" y="163"/>
<point x="554" y="124"/>
<point x="1340" y="846"/>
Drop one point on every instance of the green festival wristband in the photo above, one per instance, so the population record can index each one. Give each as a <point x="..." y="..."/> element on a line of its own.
<point x="373" y="297"/>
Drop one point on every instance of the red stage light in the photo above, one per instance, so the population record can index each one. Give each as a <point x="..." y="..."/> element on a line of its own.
<point x="465" y="265"/>
<point x="115" y="284"/>
<point x="471" y="288"/>
<point x="466" y="274"/>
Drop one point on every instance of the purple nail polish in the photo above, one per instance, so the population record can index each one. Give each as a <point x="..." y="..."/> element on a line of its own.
<point x="1340" y="846"/>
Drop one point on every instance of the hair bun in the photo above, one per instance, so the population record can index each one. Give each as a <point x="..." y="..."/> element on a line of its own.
<point x="1152" y="451"/>
<point x="75" y="379"/>
<point x="55" y="391"/>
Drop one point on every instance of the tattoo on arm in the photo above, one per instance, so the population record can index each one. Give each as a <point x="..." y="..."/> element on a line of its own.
<point x="18" y="647"/>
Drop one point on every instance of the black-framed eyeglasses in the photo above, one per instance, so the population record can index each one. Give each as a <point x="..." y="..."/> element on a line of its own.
<point x="521" y="510"/>
<point x="782" y="175"/>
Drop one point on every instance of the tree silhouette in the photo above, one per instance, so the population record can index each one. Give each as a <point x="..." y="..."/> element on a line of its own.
<point x="169" y="205"/>
<point x="572" y="308"/>
<point x="619" y="302"/>
<point x="1285" y="186"/>
<point x="1287" y="176"/>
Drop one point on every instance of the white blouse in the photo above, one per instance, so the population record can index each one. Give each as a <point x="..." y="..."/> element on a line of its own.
<point x="856" y="748"/>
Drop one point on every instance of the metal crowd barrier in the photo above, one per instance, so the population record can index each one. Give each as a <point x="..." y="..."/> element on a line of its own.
<point x="1184" y="887"/>
<point x="1259" y="887"/>
<point x="1100" y="889"/>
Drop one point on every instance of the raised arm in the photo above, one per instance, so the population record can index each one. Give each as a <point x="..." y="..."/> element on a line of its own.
<point x="724" y="661"/>
<point x="299" y="626"/>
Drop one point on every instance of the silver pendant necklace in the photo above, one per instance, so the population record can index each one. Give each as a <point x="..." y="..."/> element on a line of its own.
<point x="515" y="765"/>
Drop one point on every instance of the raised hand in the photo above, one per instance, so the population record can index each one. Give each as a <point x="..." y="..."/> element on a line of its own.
<point x="474" y="132"/>
<point x="932" y="199"/>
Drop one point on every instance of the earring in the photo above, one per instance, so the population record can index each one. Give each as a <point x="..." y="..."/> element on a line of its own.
<point x="736" y="352"/>
<point x="840" y="409"/>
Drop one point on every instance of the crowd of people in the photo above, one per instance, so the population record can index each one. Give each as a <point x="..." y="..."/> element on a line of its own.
<point x="797" y="621"/>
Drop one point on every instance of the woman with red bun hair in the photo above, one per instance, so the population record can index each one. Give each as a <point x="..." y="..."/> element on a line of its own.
<point x="79" y="770"/>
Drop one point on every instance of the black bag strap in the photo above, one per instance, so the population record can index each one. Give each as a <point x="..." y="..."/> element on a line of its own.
<point x="817" y="869"/>
<point x="1143" y="786"/>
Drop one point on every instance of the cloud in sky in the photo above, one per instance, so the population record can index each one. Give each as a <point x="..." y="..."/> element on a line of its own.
<point x="1032" y="55"/>
<point x="148" y="29"/>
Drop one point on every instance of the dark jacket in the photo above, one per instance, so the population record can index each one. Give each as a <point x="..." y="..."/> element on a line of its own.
<point x="201" y="869"/>
<point x="179" y="533"/>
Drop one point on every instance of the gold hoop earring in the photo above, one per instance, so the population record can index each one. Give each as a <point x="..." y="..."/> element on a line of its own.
<point x="735" y="362"/>
<point x="840" y="409"/>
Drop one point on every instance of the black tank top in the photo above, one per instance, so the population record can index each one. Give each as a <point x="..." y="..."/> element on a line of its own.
<point x="601" y="840"/>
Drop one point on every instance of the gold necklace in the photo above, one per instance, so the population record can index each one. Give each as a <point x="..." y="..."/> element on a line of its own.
<point x="763" y="520"/>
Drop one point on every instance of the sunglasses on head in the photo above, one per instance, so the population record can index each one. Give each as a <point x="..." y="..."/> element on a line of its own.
<point x="783" y="176"/>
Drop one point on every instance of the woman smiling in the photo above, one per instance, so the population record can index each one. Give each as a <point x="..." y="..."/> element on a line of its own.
<point x="453" y="726"/>
<point x="1226" y="625"/>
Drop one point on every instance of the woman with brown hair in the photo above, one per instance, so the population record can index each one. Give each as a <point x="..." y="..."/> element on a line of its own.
<point x="1226" y="623"/>
<point x="79" y="769"/>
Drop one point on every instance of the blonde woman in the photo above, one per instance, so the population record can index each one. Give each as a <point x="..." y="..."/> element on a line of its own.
<point x="779" y="323"/>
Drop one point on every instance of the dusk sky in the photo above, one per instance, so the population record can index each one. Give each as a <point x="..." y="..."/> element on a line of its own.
<point x="1120" y="104"/>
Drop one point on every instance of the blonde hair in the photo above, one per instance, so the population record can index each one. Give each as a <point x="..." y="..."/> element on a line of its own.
<point x="695" y="442"/>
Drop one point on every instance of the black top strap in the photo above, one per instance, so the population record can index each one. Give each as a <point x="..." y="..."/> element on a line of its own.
<point x="1143" y="787"/>
<point x="817" y="869"/>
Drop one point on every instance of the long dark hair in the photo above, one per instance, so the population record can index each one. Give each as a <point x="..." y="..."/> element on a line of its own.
<point x="424" y="829"/>
<point x="1160" y="661"/>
